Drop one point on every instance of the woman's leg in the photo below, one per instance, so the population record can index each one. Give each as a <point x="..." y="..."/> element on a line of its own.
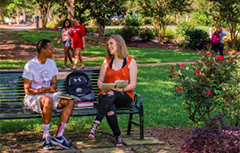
<point x="80" y="58"/>
<point x="221" y="46"/>
<point x="69" y="55"/>
<point x="76" y="58"/>
<point x="65" y="57"/>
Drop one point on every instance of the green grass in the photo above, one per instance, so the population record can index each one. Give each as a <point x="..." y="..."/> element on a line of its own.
<point x="142" y="55"/>
<point x="160" y="107"/>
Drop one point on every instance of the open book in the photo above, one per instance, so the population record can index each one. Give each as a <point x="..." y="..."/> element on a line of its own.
<point x="66" y="96"/>
<point x="79" y="104"/>
<point x="117" y="83"/>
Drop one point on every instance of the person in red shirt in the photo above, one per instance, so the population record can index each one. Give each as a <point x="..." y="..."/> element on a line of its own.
<point x="77" y="34"/>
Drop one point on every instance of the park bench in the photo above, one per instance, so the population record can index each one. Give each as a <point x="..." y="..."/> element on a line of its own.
<point x="12" y="95"/>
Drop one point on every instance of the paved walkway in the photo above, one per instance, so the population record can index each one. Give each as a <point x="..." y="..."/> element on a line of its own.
<point x="104" y="143"/>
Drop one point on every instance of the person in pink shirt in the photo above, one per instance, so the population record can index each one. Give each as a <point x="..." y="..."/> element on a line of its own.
<point x="77" y="34"/>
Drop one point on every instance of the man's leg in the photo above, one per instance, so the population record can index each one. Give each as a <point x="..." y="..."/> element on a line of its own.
<point x="46" y="105"/>
<point x="67" y="107"/>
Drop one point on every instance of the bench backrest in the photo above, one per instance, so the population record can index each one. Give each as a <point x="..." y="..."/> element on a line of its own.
<point x="12" y="91"/>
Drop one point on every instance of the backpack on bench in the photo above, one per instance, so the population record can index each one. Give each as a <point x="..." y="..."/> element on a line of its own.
<point x="78" y="84"/>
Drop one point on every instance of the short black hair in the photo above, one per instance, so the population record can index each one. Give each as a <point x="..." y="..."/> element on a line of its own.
<point x="42" y="44"/>
<point x="69" y="26"/>
<point x="77" y="18"/>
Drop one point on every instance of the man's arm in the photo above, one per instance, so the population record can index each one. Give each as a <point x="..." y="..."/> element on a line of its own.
<point x="29" y="90"/>
<point x="53" y="87"/>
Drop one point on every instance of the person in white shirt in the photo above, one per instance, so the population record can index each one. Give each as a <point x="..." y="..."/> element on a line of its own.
<point x="40" y="85"/>
<point x="66" y="28"/>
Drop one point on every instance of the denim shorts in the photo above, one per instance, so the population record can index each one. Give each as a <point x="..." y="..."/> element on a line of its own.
<point x="65" y="45"/>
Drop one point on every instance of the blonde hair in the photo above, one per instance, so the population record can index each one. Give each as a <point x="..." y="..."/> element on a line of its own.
<point x="121" y="47"/>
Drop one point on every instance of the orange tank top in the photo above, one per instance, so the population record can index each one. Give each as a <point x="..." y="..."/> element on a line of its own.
<point x="122" y="74"/>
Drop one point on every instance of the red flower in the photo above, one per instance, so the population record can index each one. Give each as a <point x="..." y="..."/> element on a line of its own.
<point x="209" y="92"/>
<point x="197" y="72"/>
<point x="231" y="60"/>
<point x="179" y="89"/>
<point x="181" y="65"/>
<point x="220" y="57"/>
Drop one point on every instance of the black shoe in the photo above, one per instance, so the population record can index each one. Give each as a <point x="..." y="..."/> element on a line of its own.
<point x="61" y="141"/>
<point x="47" y="144"/>
<point x="119" y="141"/>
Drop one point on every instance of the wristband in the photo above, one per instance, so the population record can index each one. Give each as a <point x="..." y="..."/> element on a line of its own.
<point x="122" y="89"/>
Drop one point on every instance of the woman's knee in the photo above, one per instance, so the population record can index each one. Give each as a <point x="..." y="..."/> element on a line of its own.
<point x="110" y="113"/>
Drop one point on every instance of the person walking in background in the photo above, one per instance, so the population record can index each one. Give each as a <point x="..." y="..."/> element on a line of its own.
<point x="77" y="34"/>
<point x="118" y="65"/>
<point x="66" y="28"/>
<point x="217" y="40"/>
<point x="40" y="86"/>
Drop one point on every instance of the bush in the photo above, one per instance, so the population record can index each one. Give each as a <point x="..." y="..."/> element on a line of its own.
<point x="132" y="21"/>
<point x="197" y="39"/>
<point x="216" y="137"/>
<point x="91" y="30"/>
<point x="146" y="34"/>
<point x="211" y="85"/>
<point x="109" y="32"/>
<point x="169" y="35"/>
<point x="147" y="21"/>
<point x="128" y="33"/>
<point x="182" y="27"/>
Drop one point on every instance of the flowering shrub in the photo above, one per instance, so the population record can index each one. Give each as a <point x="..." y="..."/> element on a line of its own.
<point x="215" y="137"/>
<point x="211" y="85"/>
<point x="146" y="34"/>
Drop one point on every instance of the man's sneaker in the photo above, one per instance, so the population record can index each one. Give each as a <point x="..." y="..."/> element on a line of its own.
<point x="61" y="141"/>
<point x="47" y="144"/>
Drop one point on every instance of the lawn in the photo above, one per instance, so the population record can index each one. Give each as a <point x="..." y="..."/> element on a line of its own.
<point x="160" y="107"/>
<point x="142" y="55"/>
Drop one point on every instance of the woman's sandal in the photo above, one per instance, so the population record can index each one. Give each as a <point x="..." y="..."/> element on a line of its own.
<point x="82" y="67"/>
<point x="63" y="67"/>
<point x="74" y="68"/>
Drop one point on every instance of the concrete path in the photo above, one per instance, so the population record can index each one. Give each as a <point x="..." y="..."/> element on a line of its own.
<point x="104" y="143"/>
<point x="15" y="27"/>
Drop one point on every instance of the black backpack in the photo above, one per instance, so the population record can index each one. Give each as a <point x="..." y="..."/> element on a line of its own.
<point x="78" y="84"/>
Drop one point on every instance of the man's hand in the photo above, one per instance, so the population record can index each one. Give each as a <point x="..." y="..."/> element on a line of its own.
<point x="50" y="90"/>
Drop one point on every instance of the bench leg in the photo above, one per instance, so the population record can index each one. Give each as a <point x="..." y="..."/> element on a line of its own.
<point x="129" y="124"/>
<point x="141" y="123"/>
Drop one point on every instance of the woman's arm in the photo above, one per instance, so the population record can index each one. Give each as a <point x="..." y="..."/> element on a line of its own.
<point x="60" y="40"/>
<point x="83" y="41"/>
<point x="102" y="74"/>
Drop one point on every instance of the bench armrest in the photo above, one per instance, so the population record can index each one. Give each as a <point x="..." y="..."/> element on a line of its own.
<point x="138" y="97"/>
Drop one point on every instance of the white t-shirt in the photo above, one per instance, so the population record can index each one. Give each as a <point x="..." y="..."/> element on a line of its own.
<point x="40" y="74"/>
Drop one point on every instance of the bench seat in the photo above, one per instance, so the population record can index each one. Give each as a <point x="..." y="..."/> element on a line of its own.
<point x="12" y="95"/>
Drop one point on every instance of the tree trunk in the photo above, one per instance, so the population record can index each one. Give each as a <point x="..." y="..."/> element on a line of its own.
<point x="71" y="9"/>
<point x="101" y="29"/>
<point x="24" y="16"/>
<point x="17" y="15"/>
<point x="234" y="34"/>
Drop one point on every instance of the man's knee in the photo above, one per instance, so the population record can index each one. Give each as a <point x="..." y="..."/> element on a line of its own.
<point x="46" y="102"/>
<point x="110" y="113"/>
